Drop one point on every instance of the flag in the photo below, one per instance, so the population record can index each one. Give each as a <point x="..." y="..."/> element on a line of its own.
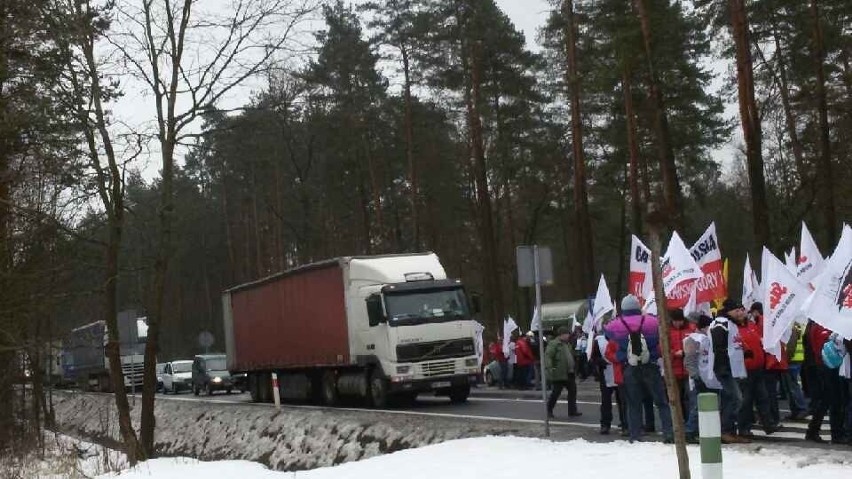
<point x="832" y="302"/>
<point x="639" y="279"/>
<point x="535" y="324"/>
<point x="509" y="325"/>
<point x="751" y="288"/>
<point x="810" y="262"/>
<point x="478" y="343"/>
<point x="679" y="271"/>
<point x="706" y="253"/>
<point x="790" y="260"/>
<point x="783" y="297"/>
<point x="601" y="305"/>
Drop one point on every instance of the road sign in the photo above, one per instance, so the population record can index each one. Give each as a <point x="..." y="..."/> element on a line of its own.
<point x="525" y="256"/>
<point x="206" y="339"/>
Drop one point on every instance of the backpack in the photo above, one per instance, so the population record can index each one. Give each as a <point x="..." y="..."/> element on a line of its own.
<point x="832" y="356"/>
<point x="637" y="346"/>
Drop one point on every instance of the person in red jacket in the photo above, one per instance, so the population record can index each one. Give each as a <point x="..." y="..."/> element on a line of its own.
<point x="495" y="349"/>
<point x="525" y="359"/>
<point x="679" y="330"/>
<point x="753" y="386"/>
<point x="826" y="387"/>
<point x="775" y="366"/>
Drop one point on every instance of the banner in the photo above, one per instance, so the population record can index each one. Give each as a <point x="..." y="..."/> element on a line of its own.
<point x="712" y="285"/>
<point x="810" y="262"/>
<point x="639" y="280"/>
<point x="679" y="271"/>
<point x="832" y="302"/>
<point x="790" y="260"/>
<point x="783" y="297"/>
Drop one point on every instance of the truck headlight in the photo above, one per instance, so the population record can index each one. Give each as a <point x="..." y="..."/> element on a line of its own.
<point x="217" y="379"/>
<point x="403" y="369"/>
<point x="471" y="362"/>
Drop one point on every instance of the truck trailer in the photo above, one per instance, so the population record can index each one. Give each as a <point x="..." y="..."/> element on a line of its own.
<point x="369" y="327"/>
<point x="84" y="360"/>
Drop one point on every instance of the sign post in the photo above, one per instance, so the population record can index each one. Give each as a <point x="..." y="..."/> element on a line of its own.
<point x="535" y="267"/>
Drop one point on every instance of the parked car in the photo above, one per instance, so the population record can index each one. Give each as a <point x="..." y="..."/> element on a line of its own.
<point x="177" y="377"/>
<point x="161" y="368"/>
<point x="491" y="373"/>
<point x="210" y="374"/>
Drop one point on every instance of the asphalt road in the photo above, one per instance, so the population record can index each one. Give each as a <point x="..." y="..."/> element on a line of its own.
<point x="492" y="404"/>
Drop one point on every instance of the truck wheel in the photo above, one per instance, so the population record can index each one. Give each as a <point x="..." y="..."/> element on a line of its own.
<point x="330" y="397"/>
<point x="254" y="391"/>
<point x="459" y="394"/>
<point x="378" y="390"/>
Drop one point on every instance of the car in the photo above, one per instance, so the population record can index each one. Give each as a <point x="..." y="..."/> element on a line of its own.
<point x="210" y="374"/>
<point x="161" y="368"/>
<point x="491" y="373"/>
<point x="177" y="377"/>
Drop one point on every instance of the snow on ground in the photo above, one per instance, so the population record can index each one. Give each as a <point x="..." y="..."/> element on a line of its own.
<point x="64" y="457"/>
<point x="514" y="457"/>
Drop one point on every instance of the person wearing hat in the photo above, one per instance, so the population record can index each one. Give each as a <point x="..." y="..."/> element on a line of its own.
<point x="638" y="339"/>
<point x="728" y="366"/>
<point x="679" y="329"/>
<point x="753" y="386"/>
<point x="698" y="363"/>
<point x="561" y="368"/>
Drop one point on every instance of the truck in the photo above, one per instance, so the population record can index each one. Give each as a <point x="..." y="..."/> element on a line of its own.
<point x="84" y="359"/>
<point x="376" y="328"/>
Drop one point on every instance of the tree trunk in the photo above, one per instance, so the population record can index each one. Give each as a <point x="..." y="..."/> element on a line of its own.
<point x="583" y="246"/>
<point x="750" y="120"/>
<point x="414" y="187"/>
<point x="490" y="267"/>
<point x="633" y="153"/>
<point x="825" y="174"/>
<point x="790" y="120"/>
<point x="671" y="185"/>
<point x="665" y="348"/>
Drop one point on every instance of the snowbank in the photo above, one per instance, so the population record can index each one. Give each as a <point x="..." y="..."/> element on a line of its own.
<point x="514" y="457"/>
<point x="63" y="457"/>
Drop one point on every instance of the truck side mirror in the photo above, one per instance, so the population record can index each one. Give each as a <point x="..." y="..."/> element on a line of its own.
<point x="475" y="303"/>
<point x="375" y="314"/>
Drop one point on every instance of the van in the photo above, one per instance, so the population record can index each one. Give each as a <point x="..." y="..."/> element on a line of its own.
<point x="210" y="374"/>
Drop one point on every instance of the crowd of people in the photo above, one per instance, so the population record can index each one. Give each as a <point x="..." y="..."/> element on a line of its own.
<point x="721" y="352"/>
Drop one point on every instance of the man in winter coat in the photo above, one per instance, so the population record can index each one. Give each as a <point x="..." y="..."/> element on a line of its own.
<point x="561" y="371"/>
<point x="495" y="349"/>
<point x="606" y="376"/>
<point x="524" y="364"/>
<point x="790" y="380"/>
<point x="825" y="386"/>
<point x="753" y="386"/>
<point x="728" y="366"/>
<point x="637" y="336"/>
<point x="678" y="331"/>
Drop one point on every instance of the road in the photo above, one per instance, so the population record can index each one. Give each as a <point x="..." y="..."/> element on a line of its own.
<point x="491" y="404"/>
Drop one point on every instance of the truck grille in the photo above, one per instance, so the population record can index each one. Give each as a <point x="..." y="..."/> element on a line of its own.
<point x="453" y="348"/>
<point x="439" y="368"/>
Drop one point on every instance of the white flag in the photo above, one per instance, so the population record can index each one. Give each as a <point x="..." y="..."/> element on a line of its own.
<point x="535" y="324"/>
<point x="783" y="298"/>
<point x="810" y="262"/>
<point x="691" y="305"/>
<point x="706" y="253"/>
<point x="478" y="343"/>
<point x="639" y="279"/>
<point x="751" y="288"/>
<point x="602" y="305"/>
<point x="832" y="303"/>
<point x="790" y="260"/>
<point x="679" y="273"/>
<point x="509" y="325"/>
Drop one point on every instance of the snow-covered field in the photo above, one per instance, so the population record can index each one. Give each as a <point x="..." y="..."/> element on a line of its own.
<point x="514" y="457"/>
<point x="64" y="458"/>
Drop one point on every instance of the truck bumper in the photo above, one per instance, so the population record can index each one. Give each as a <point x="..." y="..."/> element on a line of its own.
<point x="438" y="384"/>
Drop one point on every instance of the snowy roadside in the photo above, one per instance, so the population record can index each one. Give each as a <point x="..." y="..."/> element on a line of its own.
<point x="63" y="457"/>
<point x="513" y="457"/>
<point x="291" y="439"/>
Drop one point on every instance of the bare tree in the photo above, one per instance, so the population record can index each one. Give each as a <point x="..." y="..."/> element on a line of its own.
<point x="190" y="55"/>
<point x="86" y="96"/>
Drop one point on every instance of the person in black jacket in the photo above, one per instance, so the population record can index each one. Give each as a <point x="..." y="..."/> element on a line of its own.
<point x="731" y="397"/>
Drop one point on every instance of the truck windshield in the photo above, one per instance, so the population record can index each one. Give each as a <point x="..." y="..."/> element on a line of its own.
<point x="414" y="307"/>
<point x="216" y="364"/>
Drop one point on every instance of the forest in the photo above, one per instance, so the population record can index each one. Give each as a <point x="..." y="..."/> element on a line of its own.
<point x="397" y="126"/>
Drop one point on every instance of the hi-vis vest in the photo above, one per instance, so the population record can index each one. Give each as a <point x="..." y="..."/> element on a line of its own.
<point x="798" y="355"/>
<point x="705" y="360"/>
